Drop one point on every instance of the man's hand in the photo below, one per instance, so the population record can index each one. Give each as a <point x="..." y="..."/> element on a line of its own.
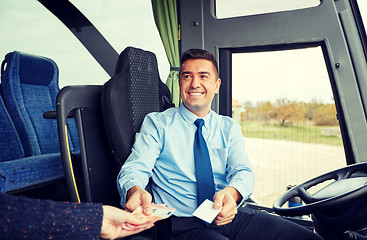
<point x="137" y="197"/>
<point x="227" y="199"/>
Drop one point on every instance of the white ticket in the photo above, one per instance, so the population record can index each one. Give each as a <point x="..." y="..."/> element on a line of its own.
<point x="206" y="211"/>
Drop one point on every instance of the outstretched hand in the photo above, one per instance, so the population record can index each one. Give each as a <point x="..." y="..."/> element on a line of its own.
<point x="137" y="197"/>
<point x="119" y="223"/>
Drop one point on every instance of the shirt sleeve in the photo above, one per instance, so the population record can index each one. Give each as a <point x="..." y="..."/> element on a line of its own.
<point x="239" y="173"/>
<point x="138" y="167"/>
<point x="25" y="218"/>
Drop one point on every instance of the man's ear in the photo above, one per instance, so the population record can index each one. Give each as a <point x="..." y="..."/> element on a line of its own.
<point x="217" y="85"/>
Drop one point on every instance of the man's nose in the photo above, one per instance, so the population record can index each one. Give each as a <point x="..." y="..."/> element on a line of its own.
<point x="195" y="83"/>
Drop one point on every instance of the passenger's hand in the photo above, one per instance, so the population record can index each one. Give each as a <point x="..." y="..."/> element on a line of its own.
<point x="118" y="223"/>
<point x="227" y="200"/>
<point x="137" y="197"/>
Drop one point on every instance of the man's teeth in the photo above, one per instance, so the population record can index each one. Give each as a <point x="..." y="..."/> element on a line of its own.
<point x="195" y="94"/>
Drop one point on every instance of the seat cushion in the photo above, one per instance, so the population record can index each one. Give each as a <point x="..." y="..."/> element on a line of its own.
<point x="25" y="172"/>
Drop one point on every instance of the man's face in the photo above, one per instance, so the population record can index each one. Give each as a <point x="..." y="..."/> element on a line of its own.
<point x="199" y="83"/>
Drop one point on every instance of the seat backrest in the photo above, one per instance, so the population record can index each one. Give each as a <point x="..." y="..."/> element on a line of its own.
<point x="10" y="145"/>
<point x="30" y="86"/>
<point x="134" y="91"/>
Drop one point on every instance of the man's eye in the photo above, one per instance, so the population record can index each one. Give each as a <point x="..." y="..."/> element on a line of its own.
<point x="186" y="76"/>
<point x="204" y="76"/>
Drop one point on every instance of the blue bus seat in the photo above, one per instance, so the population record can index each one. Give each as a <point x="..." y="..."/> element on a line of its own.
<point x="29" y="88"/>
<point x="18" y="172"/>
<point x="30" y="85"/>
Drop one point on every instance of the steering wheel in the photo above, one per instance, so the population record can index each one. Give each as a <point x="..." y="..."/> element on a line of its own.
<point x="348" y="186"/>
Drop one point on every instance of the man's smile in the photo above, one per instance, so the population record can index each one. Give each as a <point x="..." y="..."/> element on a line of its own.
<point x="196" y="93"/>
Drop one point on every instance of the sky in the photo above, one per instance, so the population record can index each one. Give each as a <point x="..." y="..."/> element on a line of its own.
<point x="297" y="75"/>
<point x="18" y="19"/>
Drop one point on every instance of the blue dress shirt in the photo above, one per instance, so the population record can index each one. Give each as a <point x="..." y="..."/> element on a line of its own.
<point x="163" y="150"/>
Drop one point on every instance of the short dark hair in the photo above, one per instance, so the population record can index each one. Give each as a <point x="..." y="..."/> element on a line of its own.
<point x="198" y="54"/>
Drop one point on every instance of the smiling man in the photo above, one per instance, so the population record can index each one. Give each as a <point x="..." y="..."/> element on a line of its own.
<point x="191" y="154"/>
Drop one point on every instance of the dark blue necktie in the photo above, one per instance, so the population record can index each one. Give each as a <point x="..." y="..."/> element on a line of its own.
<point x="204" y="172"/>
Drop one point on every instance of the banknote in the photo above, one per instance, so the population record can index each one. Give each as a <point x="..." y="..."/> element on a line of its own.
<point x="160" y="211"/>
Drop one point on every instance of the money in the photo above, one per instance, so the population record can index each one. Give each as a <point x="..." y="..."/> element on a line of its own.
<point x="160" y="212"/>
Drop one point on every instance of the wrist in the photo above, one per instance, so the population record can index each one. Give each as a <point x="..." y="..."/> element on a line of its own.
<point x="235" y="194"/>
<point x="132" y="190"/>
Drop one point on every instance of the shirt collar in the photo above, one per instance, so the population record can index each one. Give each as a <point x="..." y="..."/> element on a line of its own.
<point x="190" y="117"/>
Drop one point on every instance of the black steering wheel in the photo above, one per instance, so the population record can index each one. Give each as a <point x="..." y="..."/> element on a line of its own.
<point x="350" y="184"/>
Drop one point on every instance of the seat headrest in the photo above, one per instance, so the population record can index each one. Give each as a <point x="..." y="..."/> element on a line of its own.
<point x="34" y="69"/>
<point x="136" y="84"/>
<point x="137" y="60"/>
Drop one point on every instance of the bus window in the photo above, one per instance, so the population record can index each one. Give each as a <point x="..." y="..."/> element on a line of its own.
<point x="27" y="26"/>
<point x="236" y="8"/>
<point x="285" y="106"/>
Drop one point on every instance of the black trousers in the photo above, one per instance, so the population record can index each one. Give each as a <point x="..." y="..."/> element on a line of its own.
<point x="248" y="224"/>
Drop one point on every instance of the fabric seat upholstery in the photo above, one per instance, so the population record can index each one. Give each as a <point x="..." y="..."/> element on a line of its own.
<point x="134" y="91"/>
